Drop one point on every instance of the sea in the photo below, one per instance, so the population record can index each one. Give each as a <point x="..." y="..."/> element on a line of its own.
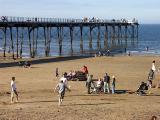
<point x="149" y="36"/>
<point x="148" y="42"/>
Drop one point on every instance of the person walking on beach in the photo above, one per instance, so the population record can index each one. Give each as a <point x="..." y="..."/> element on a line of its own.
<point x="13" y="90"/>
<point x="106" y="81"/>
<point x="61" y="87"/>
<point x="88" y="83"/>
<point x="153" y="68"/>
<point x="57" y="73"/>
<point x="151" y="74"/>
<point x="113" y="84"/>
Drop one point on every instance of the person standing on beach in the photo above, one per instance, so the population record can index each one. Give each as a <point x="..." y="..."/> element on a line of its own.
<point x="106" y="81"/>
<point x="99" y="85"/>
<point x="151" y="75"/>
<point x="88" y="83"/>
<point x="61" y="87"/>
<point x="13" y="90"/>
<point x="153" y="67"/>
<point x="113" y="84"/>
<point x="147" y="48"/>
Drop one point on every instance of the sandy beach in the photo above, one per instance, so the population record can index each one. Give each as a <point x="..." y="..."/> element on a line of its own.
<point x="39" y="102"/>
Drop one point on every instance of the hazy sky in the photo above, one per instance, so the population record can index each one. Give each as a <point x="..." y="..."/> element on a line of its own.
<point x="146" y="11"/>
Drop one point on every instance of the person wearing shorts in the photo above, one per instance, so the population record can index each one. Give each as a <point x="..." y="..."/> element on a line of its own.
<point x="61" y="87"/>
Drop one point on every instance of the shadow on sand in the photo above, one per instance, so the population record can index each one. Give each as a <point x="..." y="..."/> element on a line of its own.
<point x="83" y="95"/>
<point x="121" y="91"/>
<point x="94" y="104"/>
<point x="151" y="95"/>
<point x="45" y="60"/>
<point x="101" y="93"/>
<point x="39" y="101"/>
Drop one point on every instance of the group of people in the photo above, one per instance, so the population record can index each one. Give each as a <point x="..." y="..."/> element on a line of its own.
<point x="103" y="53"/>
<point x="70" y="75"/>
<point x="106" y="85"/>
<point x="25" y="64"/>
<point x="60" y="88"/>
<point x="102" y="85"/>
<point x="151" y="74"/>
<point x="145" y="86"/>
<point x="73" y="75"/>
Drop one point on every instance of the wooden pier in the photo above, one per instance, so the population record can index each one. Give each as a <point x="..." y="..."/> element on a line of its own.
<point x="109" y="34"/>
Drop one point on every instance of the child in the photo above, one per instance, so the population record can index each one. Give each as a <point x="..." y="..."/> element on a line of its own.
<point x="61" y="90"/>
<point x="13" y="90"/>
<point x="57" y="74"/>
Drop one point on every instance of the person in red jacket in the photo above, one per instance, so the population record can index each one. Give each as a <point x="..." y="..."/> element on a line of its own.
<point x="85" y="70"/>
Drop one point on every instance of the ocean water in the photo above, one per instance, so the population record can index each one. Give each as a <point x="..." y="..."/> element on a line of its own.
<point x="149" y="36"/>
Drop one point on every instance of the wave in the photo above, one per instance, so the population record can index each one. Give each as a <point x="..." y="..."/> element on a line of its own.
<point x="150" y="52"/>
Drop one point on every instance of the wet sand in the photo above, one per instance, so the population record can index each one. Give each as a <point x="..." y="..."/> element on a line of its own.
<point x="38" y="101"/>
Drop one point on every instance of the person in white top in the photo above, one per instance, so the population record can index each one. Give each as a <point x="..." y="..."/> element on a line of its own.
<point x="13" y="90"/>
<point x="153" y="69"/>
<point x="64" y="79"/>
<point x="153" y="66"/>
<point x="99" y="84"/>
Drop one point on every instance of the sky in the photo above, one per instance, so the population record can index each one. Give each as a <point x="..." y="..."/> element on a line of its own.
<point x="145" y="11"/>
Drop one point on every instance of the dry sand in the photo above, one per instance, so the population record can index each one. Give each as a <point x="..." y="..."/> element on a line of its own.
<point x="39" y="102"/>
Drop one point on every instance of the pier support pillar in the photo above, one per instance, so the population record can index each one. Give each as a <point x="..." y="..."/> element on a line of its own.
<point x="33" y="43"/>
<point x="12" y="43"/>
<point x="81" y="39"/>
<point x="71" y="36"/>
<point x="132" y="35"/>
<point x="21" y="42"/>
<point x="90" y="39"/>
<point x="36" y="41"/>
<point x="106" y="38"/>
<point x="113" y="36"/>
<point x="30" y="46"/>
<point x="50" y="38"/>
<point x="48" y="41"/>
<point x="59" y="33"/>
<point x="45" y="41"/>
<point x="99" y="39"/>
<point x="137" y="36"/>
<point x="126" y="35"/>
<point x="119" y="35"/>
<point x="17" y="42"/>
<point x="5" y="42"/>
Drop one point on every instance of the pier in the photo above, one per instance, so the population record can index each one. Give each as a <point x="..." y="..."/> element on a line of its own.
<point x="109" y="35"/>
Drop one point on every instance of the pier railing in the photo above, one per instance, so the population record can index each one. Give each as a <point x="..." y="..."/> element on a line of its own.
<point x="64" y="20"/>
